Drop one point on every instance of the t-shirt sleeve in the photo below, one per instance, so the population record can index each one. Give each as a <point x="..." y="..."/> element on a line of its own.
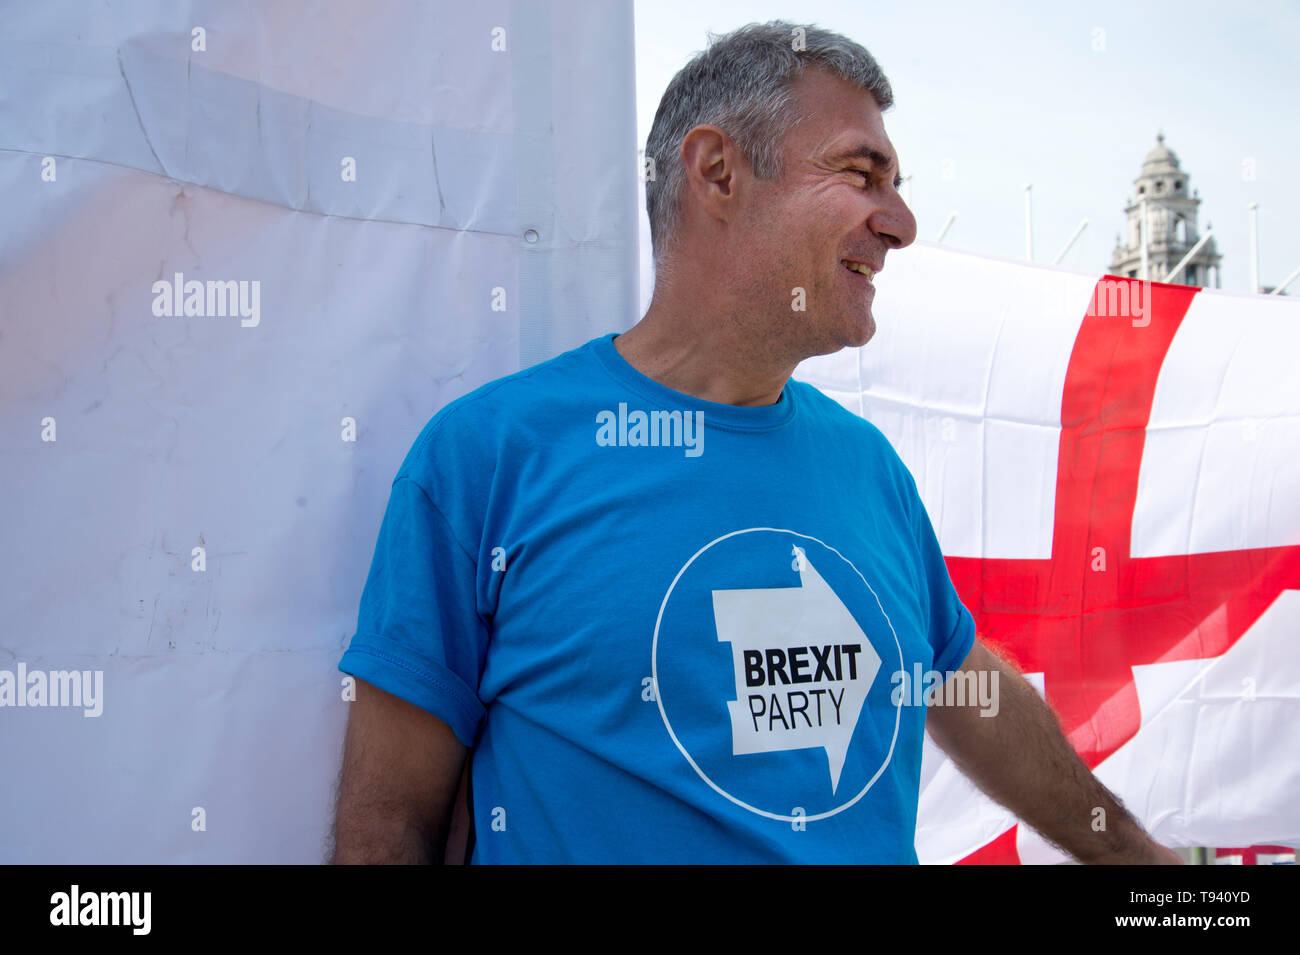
<point x="952" y="628"/>
<point x="419" y="635"/>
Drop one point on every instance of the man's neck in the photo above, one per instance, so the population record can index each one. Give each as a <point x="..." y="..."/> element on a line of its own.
<point x="706" y="358"/>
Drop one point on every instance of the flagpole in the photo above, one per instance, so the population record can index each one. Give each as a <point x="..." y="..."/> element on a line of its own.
<point x="1077" y="232"/>
<point x="1187" y="258"/>
<point x="1285" y="282"/>
<point x="1254" y="246"/>
<point x="944" y="231"/>
<point x="1029" y="222"/>
<point x="1142" y="231"/>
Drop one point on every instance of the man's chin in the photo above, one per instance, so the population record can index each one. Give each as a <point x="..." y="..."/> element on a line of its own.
<point x="853" y="338"/>
<point x="840" y="337"/>
<point x="862" y="332"/>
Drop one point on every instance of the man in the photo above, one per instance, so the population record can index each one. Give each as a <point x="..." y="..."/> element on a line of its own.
<point x="663" y="592"/>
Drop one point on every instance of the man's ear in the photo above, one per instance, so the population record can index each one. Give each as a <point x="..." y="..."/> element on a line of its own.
<point x="711" y="163"/>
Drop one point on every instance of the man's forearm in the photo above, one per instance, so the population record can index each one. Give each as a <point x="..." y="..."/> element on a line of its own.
<point x="1020" y="758"/>
<point x="383" y="843"/>
<point x="401" y="768"/>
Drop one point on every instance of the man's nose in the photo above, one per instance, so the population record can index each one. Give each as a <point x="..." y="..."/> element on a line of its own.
<point x="895" y="223"/>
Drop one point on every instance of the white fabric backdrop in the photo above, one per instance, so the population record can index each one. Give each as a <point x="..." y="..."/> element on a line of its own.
<point x="376" y="303"/>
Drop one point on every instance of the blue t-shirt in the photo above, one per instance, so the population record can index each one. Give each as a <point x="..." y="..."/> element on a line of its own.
<point x="670" y="629"/>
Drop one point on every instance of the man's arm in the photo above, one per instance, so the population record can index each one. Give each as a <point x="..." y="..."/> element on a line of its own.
<point x="1021" y="759"/>
<point x="401" y="770"/>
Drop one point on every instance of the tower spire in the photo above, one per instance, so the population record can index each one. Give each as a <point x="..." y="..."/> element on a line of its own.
<point x="1163" y="189"/>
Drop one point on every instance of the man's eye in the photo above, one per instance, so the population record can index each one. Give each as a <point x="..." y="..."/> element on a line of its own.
<point x="866" y="176"/>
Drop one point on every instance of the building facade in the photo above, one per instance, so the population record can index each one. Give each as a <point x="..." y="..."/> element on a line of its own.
<point x="1164" y="191"/>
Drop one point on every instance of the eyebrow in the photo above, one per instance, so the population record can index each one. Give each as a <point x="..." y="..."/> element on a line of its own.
<point x="875" y="156"/>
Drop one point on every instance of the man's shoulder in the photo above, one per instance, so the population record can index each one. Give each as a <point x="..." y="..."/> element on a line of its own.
<point x="833" y="415"/>
<point x="854" y="435"/>
<point x="493" y="414"/>
<point x="520" y="391"/>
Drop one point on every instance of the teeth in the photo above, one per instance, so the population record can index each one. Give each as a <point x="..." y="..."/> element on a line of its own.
<point x="858" y="267"/>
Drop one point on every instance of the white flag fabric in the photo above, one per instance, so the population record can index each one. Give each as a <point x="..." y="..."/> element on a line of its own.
<point x="248" y="251"/>
<point x="1113" y="472"/>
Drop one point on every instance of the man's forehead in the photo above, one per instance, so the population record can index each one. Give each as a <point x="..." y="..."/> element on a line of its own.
<point x="844" y="121"/>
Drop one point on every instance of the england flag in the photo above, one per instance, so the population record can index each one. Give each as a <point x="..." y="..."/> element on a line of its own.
<point x="1112" y="468"/>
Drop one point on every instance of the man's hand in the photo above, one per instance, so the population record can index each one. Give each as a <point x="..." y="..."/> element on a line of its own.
<point x="1021" y="759"/>
<point x="401" y="770"/>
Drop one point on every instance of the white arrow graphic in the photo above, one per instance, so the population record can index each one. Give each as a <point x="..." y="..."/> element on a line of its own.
<point x="802" y="665"/>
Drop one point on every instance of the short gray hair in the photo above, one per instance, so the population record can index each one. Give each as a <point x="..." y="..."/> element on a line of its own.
<point x="742" y="84"/>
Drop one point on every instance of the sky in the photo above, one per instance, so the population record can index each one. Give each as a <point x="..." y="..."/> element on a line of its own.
<point x="1068" y="97"/>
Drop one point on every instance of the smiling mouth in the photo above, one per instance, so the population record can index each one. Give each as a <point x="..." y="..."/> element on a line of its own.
<point x="858" y="267"/>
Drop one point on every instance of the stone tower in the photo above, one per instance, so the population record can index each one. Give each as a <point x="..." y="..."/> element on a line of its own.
<point x="1171" y="216"/>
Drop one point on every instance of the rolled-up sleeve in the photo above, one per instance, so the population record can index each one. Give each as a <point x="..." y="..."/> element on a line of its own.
<point x="418" y="634"/>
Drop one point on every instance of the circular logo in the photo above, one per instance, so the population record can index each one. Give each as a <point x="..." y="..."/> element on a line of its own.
<point x="766" y="653"/>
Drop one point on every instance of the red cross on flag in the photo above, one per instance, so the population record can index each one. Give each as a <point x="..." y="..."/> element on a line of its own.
<point x="1112" y="468"/>
<point x="1255" y="855"/>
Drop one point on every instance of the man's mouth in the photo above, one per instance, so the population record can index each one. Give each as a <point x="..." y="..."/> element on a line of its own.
<point x="860" y="267"/>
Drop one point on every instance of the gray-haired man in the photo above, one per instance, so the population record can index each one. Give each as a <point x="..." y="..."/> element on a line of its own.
<point x="657" y="587"/>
